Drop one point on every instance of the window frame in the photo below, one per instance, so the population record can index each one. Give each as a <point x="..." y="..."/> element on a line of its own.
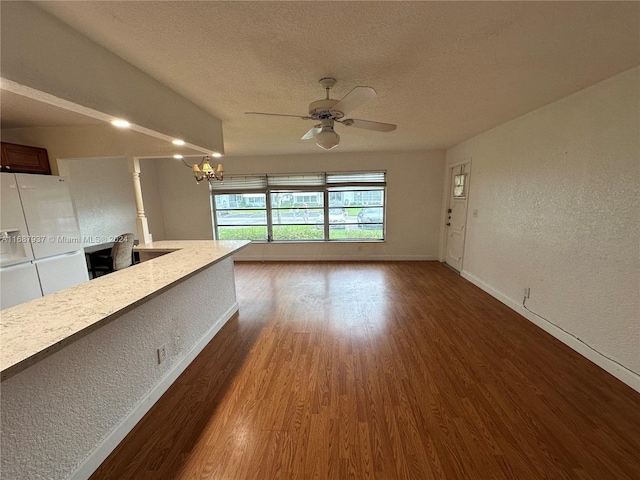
<point x="323" y="185"/>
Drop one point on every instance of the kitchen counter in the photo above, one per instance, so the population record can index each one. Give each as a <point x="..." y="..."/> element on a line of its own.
<point x="36" y="329"/>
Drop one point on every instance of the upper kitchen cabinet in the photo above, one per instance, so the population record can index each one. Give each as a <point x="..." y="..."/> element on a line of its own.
<point x="24" y="159"/>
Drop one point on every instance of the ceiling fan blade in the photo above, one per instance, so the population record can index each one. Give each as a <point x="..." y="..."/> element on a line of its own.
<point x="356" y="97"/>
<point x="313" y="131"/>
<point x="366" y="124"/>
<point x="278" y="115"/>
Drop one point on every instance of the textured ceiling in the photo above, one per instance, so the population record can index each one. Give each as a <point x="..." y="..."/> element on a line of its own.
<point x="19" y="111"/>
<point x="444" y="71"/>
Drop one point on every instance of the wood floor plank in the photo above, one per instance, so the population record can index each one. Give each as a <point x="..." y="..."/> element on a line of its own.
<point x="390" y="371"/>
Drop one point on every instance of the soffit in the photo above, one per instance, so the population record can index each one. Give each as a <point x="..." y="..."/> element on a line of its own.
<point x="18" y="111"/>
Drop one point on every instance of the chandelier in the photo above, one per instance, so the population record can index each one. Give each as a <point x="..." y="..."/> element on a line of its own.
<point x="204" y="170"/>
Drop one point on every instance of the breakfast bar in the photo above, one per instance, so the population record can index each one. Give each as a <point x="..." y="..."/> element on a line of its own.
<point x="80" y="367"/>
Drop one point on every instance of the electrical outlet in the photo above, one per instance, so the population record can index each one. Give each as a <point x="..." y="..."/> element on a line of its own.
<point x="162" y="354"/>
<point x="527" y="292"/>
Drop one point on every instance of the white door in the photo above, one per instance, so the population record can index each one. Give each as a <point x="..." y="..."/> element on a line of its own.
<point x="457" y="215"/>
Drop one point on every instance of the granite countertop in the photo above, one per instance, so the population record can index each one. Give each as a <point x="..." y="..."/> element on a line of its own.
<point x="33" y="330"/>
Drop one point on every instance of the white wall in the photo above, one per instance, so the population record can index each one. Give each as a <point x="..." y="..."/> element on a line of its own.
<point x="185" y="205"/>
<point x="62" y="416"/>
<point x="557" y="194"/>
<point x="151" y="197"/>
<point x="102" y="191"/>
<point x="414" y="197"/>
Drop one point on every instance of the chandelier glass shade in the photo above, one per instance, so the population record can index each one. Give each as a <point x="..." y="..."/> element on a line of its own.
<point x="204" y="170"/>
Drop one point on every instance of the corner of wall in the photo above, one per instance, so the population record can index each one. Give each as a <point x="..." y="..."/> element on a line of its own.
<point x="533" y="231"/>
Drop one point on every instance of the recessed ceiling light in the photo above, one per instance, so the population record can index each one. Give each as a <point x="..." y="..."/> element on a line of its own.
<point x="120" y="123"/>
<point x="178" y="142"/>
<point x="216" y="155"/>
<point x="179" y="157"/>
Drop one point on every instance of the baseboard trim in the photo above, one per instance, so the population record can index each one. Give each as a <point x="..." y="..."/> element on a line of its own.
<point x="335" y="258"/>
<point x="111" y="441"/>
<point x="621" y="373"/>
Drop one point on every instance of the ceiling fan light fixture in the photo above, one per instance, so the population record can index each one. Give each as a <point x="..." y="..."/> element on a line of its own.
<point x="327" y="138"/>
<point x="329" y="111"/>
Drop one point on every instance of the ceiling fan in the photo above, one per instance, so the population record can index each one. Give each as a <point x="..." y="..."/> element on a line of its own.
<point x="329" y="111"/>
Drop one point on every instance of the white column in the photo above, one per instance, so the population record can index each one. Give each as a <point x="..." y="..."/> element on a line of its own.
<point x="144" y="236"/>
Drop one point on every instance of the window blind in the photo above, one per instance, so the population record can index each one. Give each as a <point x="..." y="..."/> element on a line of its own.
<point x="356" y="177"/>
<point x="304" y="180"/>
<point x="262" y="182"/>
<point x="241" y="182"/>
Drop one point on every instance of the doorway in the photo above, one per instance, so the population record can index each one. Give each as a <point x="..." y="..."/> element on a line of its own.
<point x="456" y="217"/>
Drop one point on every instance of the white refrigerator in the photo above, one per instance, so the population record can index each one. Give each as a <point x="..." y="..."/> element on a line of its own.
<point x="40" y="245"/>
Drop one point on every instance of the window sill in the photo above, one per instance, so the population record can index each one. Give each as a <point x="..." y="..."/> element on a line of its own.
<point x="289" y="242"/>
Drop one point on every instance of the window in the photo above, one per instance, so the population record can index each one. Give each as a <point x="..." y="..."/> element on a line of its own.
<point x="300" y="207"/>
<point x="459" y="186"/>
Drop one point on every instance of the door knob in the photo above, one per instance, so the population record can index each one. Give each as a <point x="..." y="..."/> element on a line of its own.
<point x="448" y="224"/>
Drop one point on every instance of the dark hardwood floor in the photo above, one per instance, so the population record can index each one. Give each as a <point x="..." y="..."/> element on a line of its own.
<point x="385" y="371"/>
